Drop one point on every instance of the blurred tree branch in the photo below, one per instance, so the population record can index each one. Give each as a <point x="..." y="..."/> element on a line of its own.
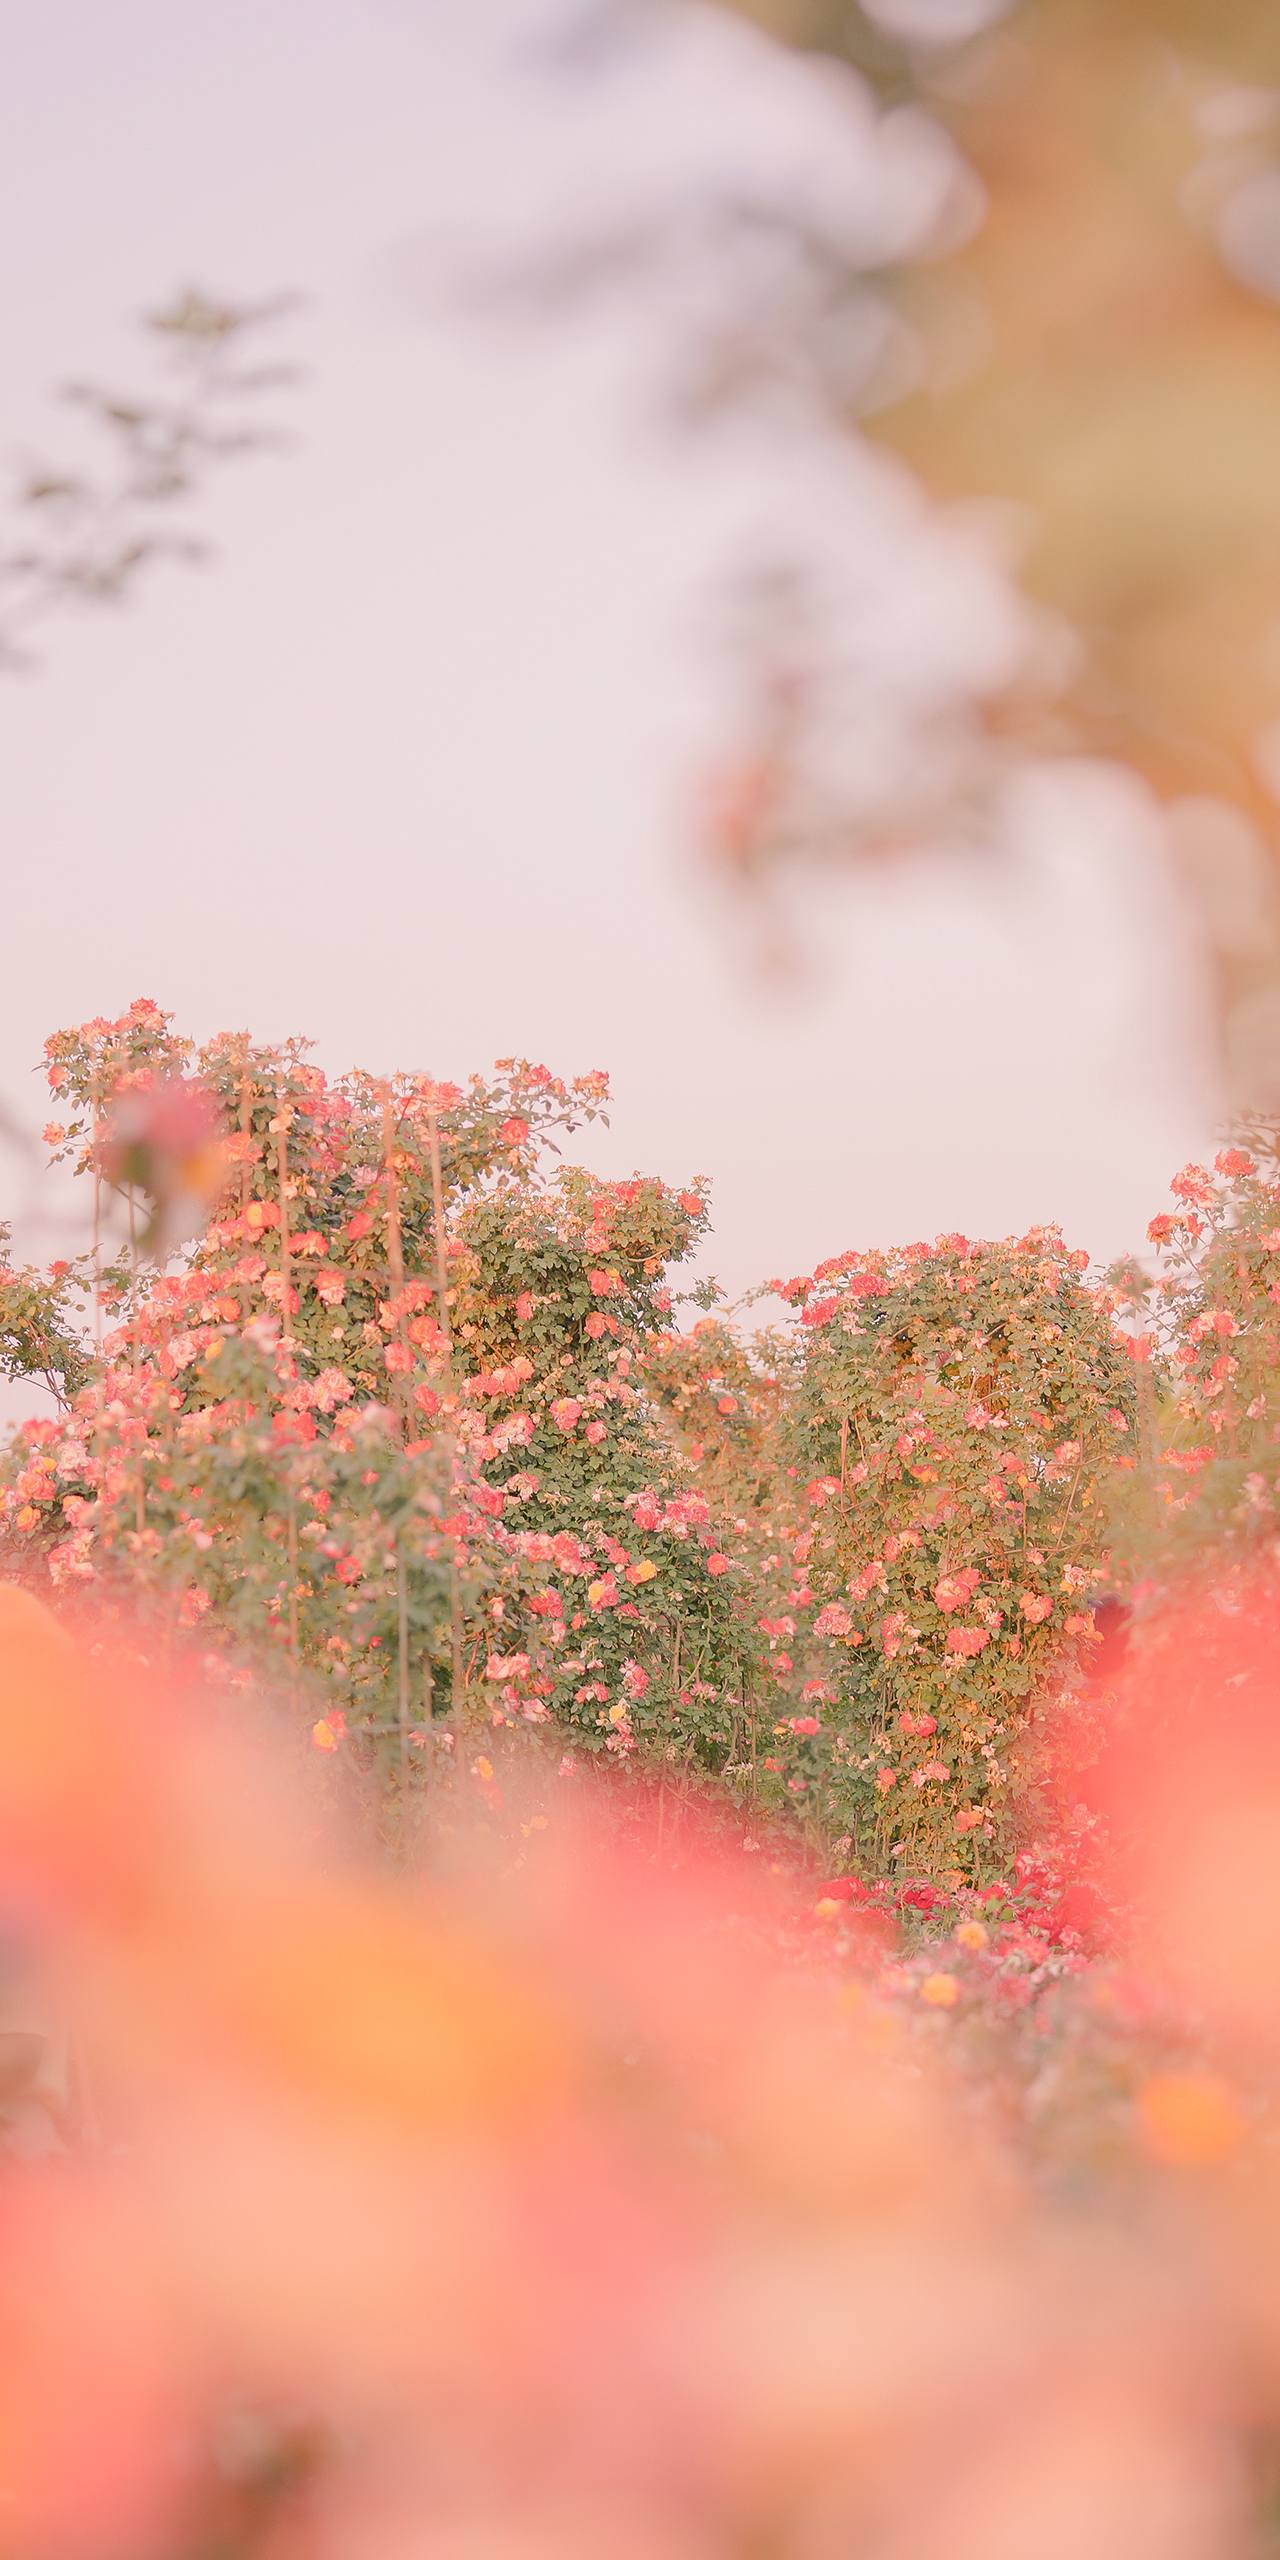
<point x="1105" y="350"/>
<point x="84" y="535"/>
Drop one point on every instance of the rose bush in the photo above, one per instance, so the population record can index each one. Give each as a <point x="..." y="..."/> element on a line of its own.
<point x="387" y="1413"/>
<point x="417" y="1411"/>
<point x="961" y="1412"/>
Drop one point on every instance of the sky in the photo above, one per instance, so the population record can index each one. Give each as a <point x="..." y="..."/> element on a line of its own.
<point x="411" y="766"/>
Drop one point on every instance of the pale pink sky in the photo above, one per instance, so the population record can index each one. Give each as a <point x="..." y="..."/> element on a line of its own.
<point x="409" y="766"/>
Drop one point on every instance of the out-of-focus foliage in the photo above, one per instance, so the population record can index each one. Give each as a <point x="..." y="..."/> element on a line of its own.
<point x="1100" y="359"/>
<point x="1123" y="384"/>
<point x="85" y="532"/>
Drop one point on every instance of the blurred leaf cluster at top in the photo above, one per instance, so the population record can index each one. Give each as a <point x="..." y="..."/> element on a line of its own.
<point x="85" y="531"/>
<point x="1105" y="349"/>
<point x="1087" y="348"/>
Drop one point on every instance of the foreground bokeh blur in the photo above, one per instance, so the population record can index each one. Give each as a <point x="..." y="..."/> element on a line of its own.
<point x="552" y="2188"/>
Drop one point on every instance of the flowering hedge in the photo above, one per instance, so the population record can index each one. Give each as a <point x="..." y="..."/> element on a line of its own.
<point x="387" y="1411"/>
<point x="960" y="1412"/>
<point x="413" y="1405"/>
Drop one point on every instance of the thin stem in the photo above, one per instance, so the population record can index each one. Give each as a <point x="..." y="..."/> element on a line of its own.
<point x="442" y="1296"/>
<point x="282" y="1173"/>
<point x="395" y="1257"/>
<point x="402" y="1663"/>
<point x="395" y="1264"/>
<point x="286" y="1329"/>
<point x="140" y="1486"/>
<point x="246" y="1125"/>
<point x="97" y="1224"/>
